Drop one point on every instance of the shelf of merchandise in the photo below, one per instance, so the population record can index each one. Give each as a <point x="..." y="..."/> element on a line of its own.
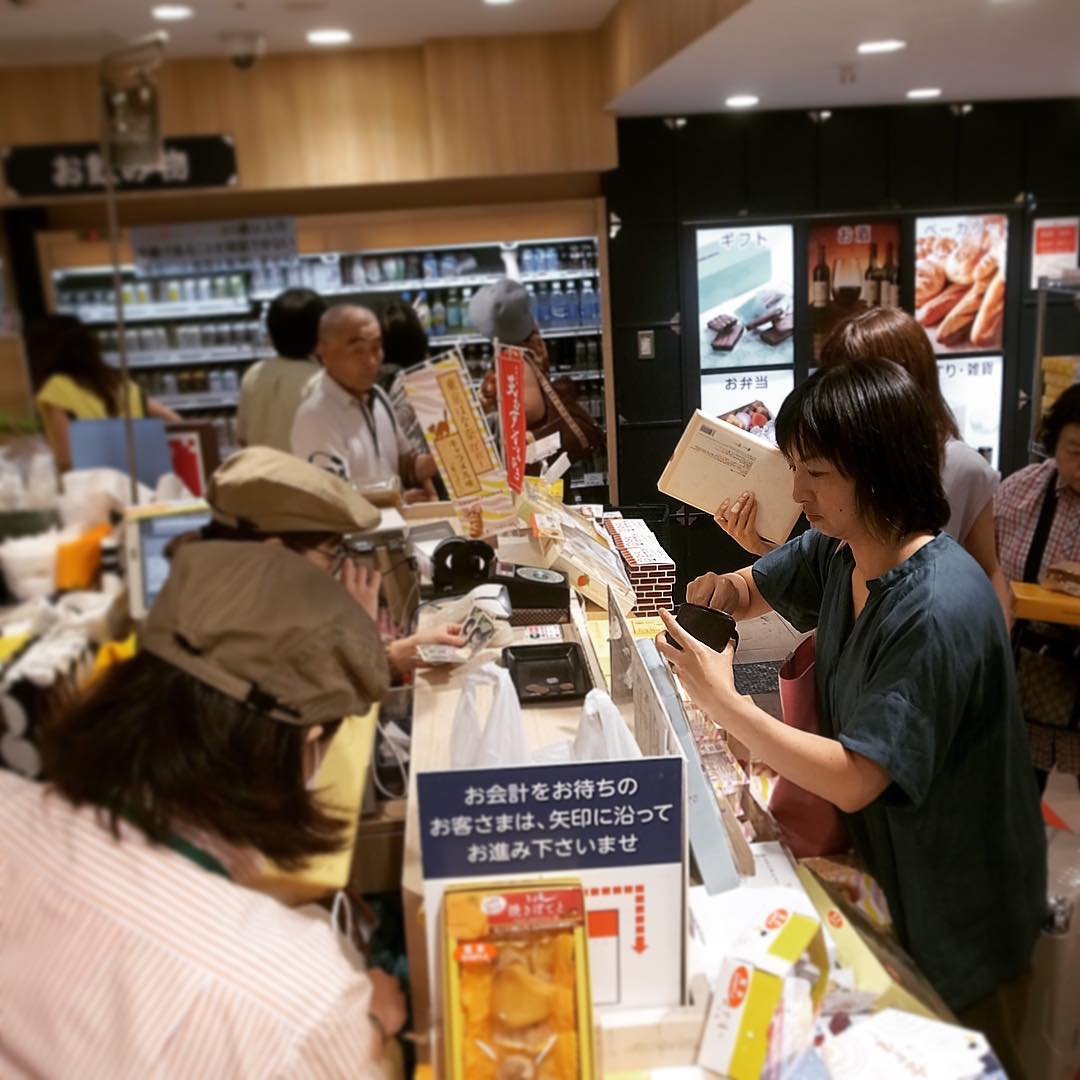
<point x="105" y="314"/>
<point x="412" y="285"/>
<point x="193" y="402"/>
<point x="1047" y="287"/>
<point x="450" y="340"/>
<point x="220" y="354"/>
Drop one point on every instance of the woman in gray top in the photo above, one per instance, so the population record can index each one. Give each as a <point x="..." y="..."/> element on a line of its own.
<point x="922" y="742"/>
<point x="968" y="479"/>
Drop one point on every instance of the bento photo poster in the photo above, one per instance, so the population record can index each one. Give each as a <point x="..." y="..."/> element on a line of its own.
<point x="851" y="266"/>
<point x="745" y="313"/>
<point x="960" y="281"/>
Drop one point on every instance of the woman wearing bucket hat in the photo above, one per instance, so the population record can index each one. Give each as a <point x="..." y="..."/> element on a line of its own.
<point x="131" y="947"/>
<point x="265" y="494"/>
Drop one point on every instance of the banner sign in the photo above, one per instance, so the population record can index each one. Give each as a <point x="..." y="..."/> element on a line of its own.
<point x="448" y="410"/>
<point x="57" y="169"/>
<point x="207" y="245"/>
<point x="1055" y="246"/>
<point x="510" y="374"/>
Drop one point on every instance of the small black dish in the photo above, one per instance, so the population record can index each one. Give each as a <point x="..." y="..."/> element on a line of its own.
<point x="710" y="626"/>
<point x="554" y="671"/>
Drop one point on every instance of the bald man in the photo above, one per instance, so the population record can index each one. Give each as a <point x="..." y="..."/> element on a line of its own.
<point x="346" y="422"/>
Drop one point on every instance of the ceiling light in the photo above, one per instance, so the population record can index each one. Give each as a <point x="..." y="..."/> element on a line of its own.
<point x="171" y="12"/>
<point x="886" y="46"/>
<point x="329" y="37"/>
<point x="497" y="3"/>
<point x="741" y="101"/>
<point x="924" y="93"/>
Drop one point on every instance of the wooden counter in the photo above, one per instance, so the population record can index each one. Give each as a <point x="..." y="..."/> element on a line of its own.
<point x="1044" y="605"/>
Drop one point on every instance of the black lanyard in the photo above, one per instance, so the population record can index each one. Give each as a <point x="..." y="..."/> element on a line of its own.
<point x="1042" y="531"/>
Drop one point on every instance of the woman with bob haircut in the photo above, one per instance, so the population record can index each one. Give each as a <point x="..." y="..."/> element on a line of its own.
<point x="922" y="740"/>
<point x="967" y="478"/>
<point x="131" y="945"/>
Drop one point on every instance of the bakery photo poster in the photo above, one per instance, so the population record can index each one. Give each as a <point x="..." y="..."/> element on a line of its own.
<point x="744" y="279"/>
<point x="960" y="281"/>
<point x="851" y="267"/>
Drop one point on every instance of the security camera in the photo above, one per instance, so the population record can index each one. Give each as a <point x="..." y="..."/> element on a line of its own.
<point x="244" y="48"/>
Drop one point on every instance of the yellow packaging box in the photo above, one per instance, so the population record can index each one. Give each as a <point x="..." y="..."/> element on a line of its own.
<point x="517" y="1000"/>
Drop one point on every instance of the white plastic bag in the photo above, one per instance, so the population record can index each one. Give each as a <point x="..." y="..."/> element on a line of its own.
<point x="502" y="741"/>
<point x="602" y="734"/>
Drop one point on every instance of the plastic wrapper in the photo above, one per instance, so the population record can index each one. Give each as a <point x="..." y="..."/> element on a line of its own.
<point x="517" y="986"/>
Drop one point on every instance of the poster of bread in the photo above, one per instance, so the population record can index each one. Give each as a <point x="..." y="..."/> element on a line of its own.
<point x="960" y="281"/>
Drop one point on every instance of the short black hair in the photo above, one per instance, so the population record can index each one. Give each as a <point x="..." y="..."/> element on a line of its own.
<point x="404" y="339"/>
<point x="1066" y="410"/>
<point x="293" y="322"/>
<point x="152" y="743"/>
<point x="868" y="419"/>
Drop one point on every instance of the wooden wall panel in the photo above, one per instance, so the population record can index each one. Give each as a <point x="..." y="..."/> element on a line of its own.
<point x="15" y="394"/>
<point x="639" y="35"/>
<point x="529" y="104"/>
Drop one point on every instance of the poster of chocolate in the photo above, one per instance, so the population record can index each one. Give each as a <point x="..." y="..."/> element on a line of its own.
<point x="971" y="387"/>
<point x="748" y="399"/>
<point x="960" y="281"/>
<point x="851" y="267"/>
<point x="744" y="277"/>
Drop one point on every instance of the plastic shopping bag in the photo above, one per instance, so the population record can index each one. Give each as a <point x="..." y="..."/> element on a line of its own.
<point x="602" y="734"/>
<point x="502" y="740"/>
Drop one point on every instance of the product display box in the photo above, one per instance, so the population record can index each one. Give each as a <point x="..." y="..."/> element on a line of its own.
<point x="517" y="992"/>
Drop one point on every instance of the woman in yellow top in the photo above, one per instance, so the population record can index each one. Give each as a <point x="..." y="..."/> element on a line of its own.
<point x="78" y="384"/>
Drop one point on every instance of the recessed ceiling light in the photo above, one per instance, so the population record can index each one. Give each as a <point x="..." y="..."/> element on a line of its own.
<point x="886" y="46"/>
<point x="171" y="12"/>
<point x="497" y="3"/>
<point x="924" y="93"/>
<point x="741" y="101"/>
<point x="329" y="37"/>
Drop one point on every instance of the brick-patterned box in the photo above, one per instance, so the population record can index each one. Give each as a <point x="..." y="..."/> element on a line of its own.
<point x="650" y="568"/>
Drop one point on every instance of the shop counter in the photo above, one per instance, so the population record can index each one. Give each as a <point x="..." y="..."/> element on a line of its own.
<point x="1044" y="605"/>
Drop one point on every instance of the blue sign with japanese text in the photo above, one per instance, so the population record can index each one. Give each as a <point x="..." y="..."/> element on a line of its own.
<point x="530" y="819"/>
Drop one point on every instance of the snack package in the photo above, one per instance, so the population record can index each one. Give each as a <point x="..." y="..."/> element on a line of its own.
<point x="517" y="998"/>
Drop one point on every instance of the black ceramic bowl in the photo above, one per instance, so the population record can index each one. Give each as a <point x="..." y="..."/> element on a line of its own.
<point x="710" y="626"/>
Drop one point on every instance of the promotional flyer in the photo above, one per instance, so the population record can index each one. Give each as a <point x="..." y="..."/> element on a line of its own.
<point x="960" y="281"/>
<point x="972" y="389"/>
<point x="745" y="313"/>
<point x="851" y="267"/>
<point x="1055" y="247"/>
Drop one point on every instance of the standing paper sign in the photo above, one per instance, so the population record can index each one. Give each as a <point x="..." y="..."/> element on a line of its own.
<point x="617" y="826"/>
<point x="453" y="423"/>
<point x="1055" y="246"/>
<point x="510" y="373"/>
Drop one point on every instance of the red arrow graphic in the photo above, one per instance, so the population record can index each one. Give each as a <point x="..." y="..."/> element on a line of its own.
<point x="638" y="893"/>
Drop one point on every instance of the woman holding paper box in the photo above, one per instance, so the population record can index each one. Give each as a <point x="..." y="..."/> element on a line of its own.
<point x="968" y="479"/>
<point x="922" y="744"/>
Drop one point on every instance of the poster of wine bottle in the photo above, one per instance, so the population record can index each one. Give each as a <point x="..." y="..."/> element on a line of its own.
<point x="852" y="267"/>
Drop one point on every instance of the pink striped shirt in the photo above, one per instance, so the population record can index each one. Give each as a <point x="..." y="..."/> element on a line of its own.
<point x="120" y="959"/>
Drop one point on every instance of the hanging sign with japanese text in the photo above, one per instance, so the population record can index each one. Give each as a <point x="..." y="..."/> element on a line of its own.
<point x="58" y="169"/>
<point x="510" y="373"/>
<point x="618" y="827"/>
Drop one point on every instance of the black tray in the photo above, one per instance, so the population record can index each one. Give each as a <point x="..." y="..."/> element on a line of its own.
<point x="553" y="671"/>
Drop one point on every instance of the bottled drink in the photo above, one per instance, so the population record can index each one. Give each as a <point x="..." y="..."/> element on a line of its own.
<point x="531" y="290"/>
<point x="412" y="267"/>
<point x="447" y="264"/>
<point x="573" y="306"/>
<point x="871" y="291"/>
<point x="528" y="261"/>
<point x="819" y="287"/>
<point x="453" y="310"/>
<point x="438" y="316"/>
<point x="466" y="297"/>
<point x="590" y="305"/>
<point x="430" y="266"/>
<point x="543" y="307"/>
<point x="558" y="307"/>
<point x="423" y="309"/>
<point x="890" y="280"/>
<point x="551" y="258"/>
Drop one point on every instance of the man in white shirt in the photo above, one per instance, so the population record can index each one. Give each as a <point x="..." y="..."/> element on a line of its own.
<point x="346" y="423"/>
<point x="272" y="389"/>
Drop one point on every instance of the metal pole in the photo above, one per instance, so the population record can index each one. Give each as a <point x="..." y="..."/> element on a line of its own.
<point x="1036" y="367"/>
<point x="118" y="294"/>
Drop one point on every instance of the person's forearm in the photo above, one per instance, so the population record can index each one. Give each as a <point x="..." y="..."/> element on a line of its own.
<point x="816" y="763"/>
<point x="751" y="602"/>
<point x="1004" y="595"/>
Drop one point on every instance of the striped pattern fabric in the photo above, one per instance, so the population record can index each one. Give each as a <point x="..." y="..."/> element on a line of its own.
<point x="121" y="959"/>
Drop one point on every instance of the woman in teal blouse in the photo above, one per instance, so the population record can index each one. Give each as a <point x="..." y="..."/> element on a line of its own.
<point x="922" y="742"/>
